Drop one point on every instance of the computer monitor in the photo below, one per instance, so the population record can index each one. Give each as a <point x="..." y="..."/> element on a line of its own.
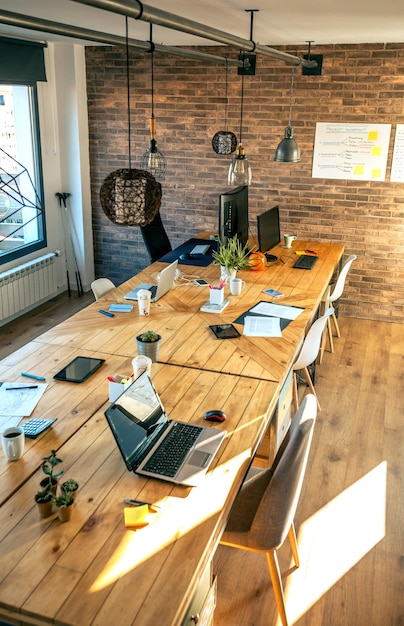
<point x="233" y="214"/>
<point x="268" y="229"/>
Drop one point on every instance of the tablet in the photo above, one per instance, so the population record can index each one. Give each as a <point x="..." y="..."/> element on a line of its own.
<point x="224" y="331"/>
<point x="79" y="369"/>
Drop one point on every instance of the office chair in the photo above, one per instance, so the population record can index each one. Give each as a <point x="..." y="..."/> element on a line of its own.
<point x="264" y="510"/>
<point x="101" y="286"/>
<point x="332" y="297"/>
<point x="308" y="354"/>
<point x="155" y="239"/>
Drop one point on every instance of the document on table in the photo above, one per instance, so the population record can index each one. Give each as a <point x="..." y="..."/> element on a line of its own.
<point x="261" y="326"/>
<point x="277" y="310"/>
<point x="20" y="398"/>
<point x="7" y="421"/>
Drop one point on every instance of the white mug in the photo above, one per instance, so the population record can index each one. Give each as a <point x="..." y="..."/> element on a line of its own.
<point x="141" y="363"/>
<point x="143" y="301"/>
<point x="236" y="286"/>
<point x="288" y="239"/>
<point x="13" y="442"/>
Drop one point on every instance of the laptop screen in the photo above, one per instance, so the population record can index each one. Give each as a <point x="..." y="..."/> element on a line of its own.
<point x="135" y="418"/>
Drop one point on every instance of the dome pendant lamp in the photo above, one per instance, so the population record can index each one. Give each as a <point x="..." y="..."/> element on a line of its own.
<point x="288" y="151"/>
<point x="153" y="161"/>
<point x="240" y="169"/>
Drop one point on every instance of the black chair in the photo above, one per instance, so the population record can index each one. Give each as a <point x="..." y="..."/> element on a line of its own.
<point x="155" y="239"/>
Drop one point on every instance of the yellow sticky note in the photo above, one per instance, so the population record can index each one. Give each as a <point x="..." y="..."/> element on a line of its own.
<point x="137" y="516"/>
<point x="376" y="151"/>
<point x="359" y="170"/>
<point x="372" y="135"/>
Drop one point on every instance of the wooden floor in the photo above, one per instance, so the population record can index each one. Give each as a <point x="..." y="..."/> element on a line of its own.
<point x="350" y="519"/>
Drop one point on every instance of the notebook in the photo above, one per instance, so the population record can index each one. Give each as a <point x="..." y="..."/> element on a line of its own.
<point x="165" y="282"/>
<point x="306" y="262"/>
<point x="154" y="446"/>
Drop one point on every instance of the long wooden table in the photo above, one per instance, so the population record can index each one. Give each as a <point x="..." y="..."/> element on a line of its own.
<point x="92" y="570"/>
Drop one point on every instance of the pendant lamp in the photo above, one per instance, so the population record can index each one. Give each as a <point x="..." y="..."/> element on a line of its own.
<point x="240" y="170"/>
<point x="288" y="151"/>
<point x="224" y="141"/>
<point x="153" y="160"/>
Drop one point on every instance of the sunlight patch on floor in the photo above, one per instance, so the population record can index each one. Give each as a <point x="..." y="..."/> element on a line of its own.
<point x="335" y="538"/>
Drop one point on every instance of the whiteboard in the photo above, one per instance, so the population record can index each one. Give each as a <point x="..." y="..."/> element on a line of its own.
<point x="351" y="151"/>
<point x="397" y="167"/>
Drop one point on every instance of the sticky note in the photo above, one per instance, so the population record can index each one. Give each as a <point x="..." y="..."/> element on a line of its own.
<point x="372" y="135"/>
<point x="137" y="516"/>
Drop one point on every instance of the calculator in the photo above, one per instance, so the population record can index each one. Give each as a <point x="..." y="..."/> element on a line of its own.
<point x="36" y="425"/>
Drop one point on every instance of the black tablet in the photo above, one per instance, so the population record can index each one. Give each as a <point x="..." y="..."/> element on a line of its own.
<point x="79" y="369"/>
<point x="224" y="331"/>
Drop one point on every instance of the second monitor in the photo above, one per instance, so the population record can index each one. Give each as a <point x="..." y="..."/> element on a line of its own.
<point x="269" y="234"/>
<point x="233" y="214"/>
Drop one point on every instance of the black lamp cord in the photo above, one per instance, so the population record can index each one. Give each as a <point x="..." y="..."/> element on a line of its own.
<point x="152" y="68"/>
<point x="128" y="88"/>
<point x="291" y="98"/>
<point x="241" y="106"/>
<point x="225" y="101"/>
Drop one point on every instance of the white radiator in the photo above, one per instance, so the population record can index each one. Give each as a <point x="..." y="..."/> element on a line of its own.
<point x="24" y="287"/>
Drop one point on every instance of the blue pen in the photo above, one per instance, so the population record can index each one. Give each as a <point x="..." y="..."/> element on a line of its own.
<point x="106" y="313"/>
<point x="33" y="376"/>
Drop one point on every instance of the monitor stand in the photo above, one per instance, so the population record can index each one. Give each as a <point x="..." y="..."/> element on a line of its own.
<point x="271" y="257"/>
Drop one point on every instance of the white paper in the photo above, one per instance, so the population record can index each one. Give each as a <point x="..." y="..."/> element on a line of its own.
<point x="20" y="398"/>
<point x="277" y="310"/>
<point x="260" y="326"/>
<point x="7" y="421"/>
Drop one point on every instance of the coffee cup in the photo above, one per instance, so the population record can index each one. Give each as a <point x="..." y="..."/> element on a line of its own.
<point x="141" y="363"/>
<point x="13" y="442"/>
<point x="143" y="301"/>
<point x="288" y="239"/>
<point x="236" y="286"/>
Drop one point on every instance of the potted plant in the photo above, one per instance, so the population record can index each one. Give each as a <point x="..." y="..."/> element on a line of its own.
<point x="148" y="343"/>
<point x="44" y="497"/>
<point x="63" y="502"/>
<point x="232" y="256"/>
<point x="70" y="485"/>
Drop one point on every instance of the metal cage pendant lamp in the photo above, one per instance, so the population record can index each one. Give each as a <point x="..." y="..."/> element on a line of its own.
<point x="153" y="160"/>
<point x="288" y="151"/>
<point x="240" y="169"/>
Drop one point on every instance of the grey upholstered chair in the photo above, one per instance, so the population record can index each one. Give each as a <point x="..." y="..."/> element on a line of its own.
<point x="263" y="514"/>
<point x="101" y="286"/>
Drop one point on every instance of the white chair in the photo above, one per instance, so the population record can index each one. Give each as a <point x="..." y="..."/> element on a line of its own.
<point x="308" y="354"/>
<point x="264" y="510"/>
<point x="332" y="297"/>
<point x="101" y="286"/>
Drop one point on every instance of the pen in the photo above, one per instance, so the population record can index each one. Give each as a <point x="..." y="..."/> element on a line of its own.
<point x="139" y="503"/>
<point x="106" y="313"/>
<point x="33" y="376"/>
<point x="18" y="388"/>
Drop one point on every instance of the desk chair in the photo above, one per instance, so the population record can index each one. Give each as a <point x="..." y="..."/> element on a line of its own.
<point x="332" y="297"/>
<point x="308" y="354"/>
<point x="155" y="239"/>
<point x="101" y="286"/>
<point x="264" y="510"/>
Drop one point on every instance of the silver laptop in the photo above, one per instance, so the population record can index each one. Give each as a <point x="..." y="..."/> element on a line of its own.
<point x="152" y="445"/>
<point x="164" y="284"/>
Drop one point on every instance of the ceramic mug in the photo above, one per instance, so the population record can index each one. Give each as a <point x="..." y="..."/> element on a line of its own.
<point x="143" y="301"/>
<point x="13" y="442"/>
<point x="141" y="363"/>
<point x="236" y="286"/>
<point x="288" y="239"/>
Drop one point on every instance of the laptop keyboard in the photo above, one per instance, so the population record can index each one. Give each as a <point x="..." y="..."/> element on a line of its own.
<point x="171" y="453"/>
<point x="153" y="290"/>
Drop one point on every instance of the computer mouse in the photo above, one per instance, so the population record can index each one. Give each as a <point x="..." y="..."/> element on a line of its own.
<point x="186" y="256"/>
<point x="215" y="416"/>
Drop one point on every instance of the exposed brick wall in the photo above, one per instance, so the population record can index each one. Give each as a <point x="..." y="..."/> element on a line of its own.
<point x="359" y="83"/>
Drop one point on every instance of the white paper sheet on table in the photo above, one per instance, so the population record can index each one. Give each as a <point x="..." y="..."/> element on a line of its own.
<point x="277" y="310"/>
<point x="260" y="326"/>
<point x="21" y="400"/>
<point x="7" y="421"/>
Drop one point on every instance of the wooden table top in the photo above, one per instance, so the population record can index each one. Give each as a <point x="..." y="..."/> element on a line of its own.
<point x="84" y="571"/>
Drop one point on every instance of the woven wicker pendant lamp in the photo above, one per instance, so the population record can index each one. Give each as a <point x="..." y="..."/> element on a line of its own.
<point x="130" y="197"/>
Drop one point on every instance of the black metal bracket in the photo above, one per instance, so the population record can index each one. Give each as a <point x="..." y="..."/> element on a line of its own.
<point x="313" y="71"/>
<point x="248" y="68"/>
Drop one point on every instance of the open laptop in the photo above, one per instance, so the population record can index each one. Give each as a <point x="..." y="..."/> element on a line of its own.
<point x="164" y="284"/>
<point x="149" y="441"/>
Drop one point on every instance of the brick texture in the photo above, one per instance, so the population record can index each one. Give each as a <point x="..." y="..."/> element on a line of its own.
<point x="359" y="84"/>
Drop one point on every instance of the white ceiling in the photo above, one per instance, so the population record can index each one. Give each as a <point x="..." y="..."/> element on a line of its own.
<point x="275" y="23"/>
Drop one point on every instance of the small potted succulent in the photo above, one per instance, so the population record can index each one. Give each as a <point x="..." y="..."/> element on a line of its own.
<point x="64" y="502"/>
<point x="70" y="485"/>
<point x="231" y="257"/>
<point x="48" y="485"/>
<point x="148" y="343"/>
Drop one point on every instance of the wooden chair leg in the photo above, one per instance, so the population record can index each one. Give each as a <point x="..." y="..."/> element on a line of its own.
<point x="310" y="384"/>
<point x="334" y="319"/>
<point x="293" y="544"/>
<point x="276" y="580"/>
<point x="295" y="393"/>
<point x="329" y="332"/>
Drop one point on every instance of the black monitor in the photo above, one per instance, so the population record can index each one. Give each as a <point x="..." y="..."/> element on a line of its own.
<point x="233" y="214"/>
<point x="269" y="233"/>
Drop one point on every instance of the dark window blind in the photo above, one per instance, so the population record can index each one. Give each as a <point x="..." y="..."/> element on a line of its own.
<point x="21" y="61"/>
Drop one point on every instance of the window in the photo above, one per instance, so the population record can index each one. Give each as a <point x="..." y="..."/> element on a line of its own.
<point x="22" y="224"/>
<point x="22" y="219"/>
